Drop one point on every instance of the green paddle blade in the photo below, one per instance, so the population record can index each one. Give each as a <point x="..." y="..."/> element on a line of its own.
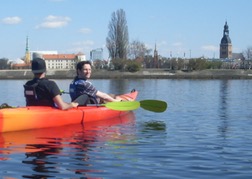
<point x="123" y="105"/>
<point x="153" y="105"/>
<point x="5" y="105"/>
<point x="63" y="92"/>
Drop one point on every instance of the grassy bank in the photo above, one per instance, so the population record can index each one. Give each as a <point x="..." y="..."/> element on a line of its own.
<point x="148" y="74"/>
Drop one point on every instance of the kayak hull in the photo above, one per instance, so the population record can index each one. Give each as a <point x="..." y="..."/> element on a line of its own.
<point x="43" y="140"/>
<point x="34" y="117"/>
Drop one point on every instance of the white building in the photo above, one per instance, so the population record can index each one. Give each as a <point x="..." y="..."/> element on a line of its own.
<point x="43" y="53"/>
<point x="63" y="61"/>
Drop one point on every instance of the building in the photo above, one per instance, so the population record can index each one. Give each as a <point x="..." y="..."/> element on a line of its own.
<point x="96" y="54"/>
<point x="47" y="52"/>
<point x="155" y="58"/>
<point x="63" y="61"/>
<point x="56" y="61"/>
<point x="27" y="59"/>
<point x="53" y="59"/>
<point x="225" y="45"/>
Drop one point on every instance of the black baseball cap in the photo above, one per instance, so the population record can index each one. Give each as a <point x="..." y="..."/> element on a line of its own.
<point x="38" y="65"/>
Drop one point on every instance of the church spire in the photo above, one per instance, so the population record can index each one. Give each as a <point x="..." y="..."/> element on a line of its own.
<point x="27" y="44"/>
<point x="225" y="31"/>
<point x="27" y="52"/>
<point x="156" y="64"/>
<point x="226" y="44"/>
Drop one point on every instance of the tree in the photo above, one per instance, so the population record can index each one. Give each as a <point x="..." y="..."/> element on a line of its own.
<point x="119" y="63"/>
<point x="118" y="38"/>
<point x="133" y="66"/>
<point x="148" y="61"/>
<point x="138" y="49"/>
<point x="248" y="53"/>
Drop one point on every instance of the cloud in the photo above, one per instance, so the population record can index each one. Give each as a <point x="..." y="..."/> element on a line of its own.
<point x="53" y="22"/>
<point x="211" y="48"/>
<point x="85" y="30"/>
<point x="12" y="20"/>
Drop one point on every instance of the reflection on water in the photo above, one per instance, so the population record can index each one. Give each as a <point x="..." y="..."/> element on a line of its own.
<point x="223" y="108"/>
<point x="155" y="125"/>
<point x="204" y="133"/>
<point x="43" y="149"/>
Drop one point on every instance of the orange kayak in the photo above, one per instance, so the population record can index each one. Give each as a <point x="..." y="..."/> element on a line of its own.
<point x="34" y="117"/>
<point x="55" y="139"/>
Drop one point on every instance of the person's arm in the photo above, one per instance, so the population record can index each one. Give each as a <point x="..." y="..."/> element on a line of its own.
<point x="106" y="97"/>
<point x="57" y="99"/>
<point x="63" y="105"/>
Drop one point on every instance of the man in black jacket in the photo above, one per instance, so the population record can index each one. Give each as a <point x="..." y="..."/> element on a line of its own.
<point x="43" y="92"/>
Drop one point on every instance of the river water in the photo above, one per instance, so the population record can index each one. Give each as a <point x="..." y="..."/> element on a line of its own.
<point x="204" y="133"/>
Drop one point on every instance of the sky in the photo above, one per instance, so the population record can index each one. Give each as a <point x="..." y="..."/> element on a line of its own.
<point x="178" y="28"/>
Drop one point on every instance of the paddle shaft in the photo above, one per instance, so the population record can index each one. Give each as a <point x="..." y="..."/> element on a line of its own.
<point x="149" y="105"/>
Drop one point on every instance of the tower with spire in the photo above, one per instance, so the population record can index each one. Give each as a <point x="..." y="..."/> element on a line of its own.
<point x="27" y="52"/>
<point x="225" y="45"/>
<point x="155" y="60"/>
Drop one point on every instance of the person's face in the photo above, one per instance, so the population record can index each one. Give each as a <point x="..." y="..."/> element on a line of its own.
<point x="85" y="72"/>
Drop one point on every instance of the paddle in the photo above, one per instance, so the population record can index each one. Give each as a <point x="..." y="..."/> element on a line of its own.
<point x="63" y="92"/>
<point x="149" y="105"/>
<point x="122" y="106"/>
<point x="153" y="105"/>
<point x="5" y="105"/>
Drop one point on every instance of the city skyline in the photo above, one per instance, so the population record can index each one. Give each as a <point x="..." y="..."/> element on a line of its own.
<point x="178" y="28"/>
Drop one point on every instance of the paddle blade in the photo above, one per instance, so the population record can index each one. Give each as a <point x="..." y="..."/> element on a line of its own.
<point x="123" y="105"/>
<point x="153" y="105"/>
<point x="5" y="105"/>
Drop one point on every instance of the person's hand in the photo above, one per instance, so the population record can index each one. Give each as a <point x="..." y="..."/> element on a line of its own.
<point x="118" y="98"/>
<point x="74" y="104"/>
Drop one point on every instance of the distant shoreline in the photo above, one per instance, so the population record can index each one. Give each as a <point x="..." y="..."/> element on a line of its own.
<point x="143" y="74"/>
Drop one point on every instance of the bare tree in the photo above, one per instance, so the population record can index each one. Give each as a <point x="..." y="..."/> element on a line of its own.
<point x="138" y="49"/>
<point x="248" y="53"/>
<point x="118" y="38"/>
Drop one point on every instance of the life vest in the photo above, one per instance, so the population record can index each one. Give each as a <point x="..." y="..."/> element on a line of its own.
<point x="37" y="96"/>
<point x="76" y="91"/>
<point x="72" y="91"/>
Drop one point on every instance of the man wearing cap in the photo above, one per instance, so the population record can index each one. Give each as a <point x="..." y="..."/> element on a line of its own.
<point x="43" y="92"/>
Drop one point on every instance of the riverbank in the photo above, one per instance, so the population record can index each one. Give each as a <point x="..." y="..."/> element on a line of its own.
<point x="148" y="74"/>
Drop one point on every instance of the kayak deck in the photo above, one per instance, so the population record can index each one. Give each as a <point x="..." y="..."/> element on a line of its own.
<point x="33" y="117"/>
